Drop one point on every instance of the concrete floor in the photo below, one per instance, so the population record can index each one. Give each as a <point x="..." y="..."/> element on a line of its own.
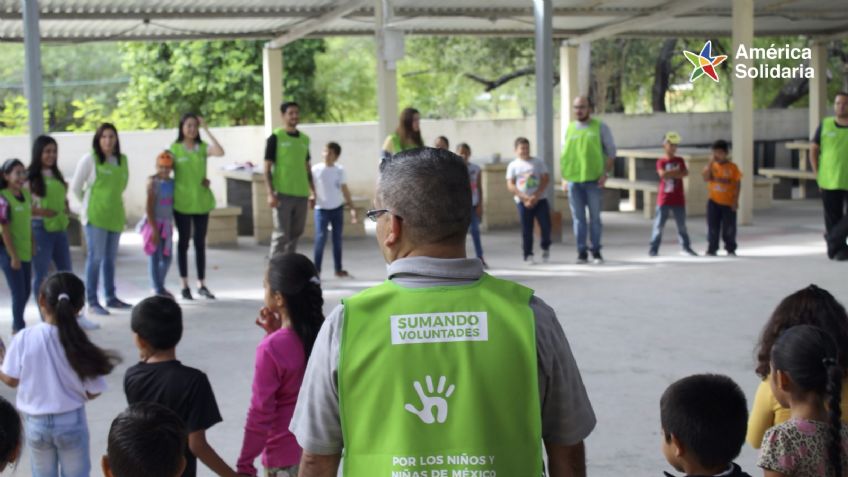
<point x="635" y="323"/>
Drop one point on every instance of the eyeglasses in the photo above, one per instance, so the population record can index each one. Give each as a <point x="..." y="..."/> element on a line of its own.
<point x="375" y="214"/>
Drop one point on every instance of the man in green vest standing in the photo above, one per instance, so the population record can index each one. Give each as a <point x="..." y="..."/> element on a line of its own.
<point x="442" y="368"/>
<point x="588" y="152"/>
<point x="829" y="158"/>
<point x="289" y="180"/>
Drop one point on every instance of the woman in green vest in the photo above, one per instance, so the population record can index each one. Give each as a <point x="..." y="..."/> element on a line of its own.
<point x="99" y="182"/>
<point x="407" y="135"/>
<point x="193" y="199"/>
<point x="16" y="228"/>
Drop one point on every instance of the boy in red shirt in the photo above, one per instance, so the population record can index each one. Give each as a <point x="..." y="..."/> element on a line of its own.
<point x="670" y="199"/>
<point x="723" y="179"/>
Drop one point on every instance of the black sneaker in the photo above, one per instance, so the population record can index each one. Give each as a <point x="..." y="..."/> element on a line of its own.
<point x="117" y="304"/>
<point x="203" y="291"/>
<point x="709" y="254"/>
<point x="731" y="254"/>
<point x="186" y="294"/>
<point x="653" y="253"/>
<point x="582" y="258"/>
<point x="690" y="252"/>
<point x="841" y="255"/>
<point x="597" y="259"/>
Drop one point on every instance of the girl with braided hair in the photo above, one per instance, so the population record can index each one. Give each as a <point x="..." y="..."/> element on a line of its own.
<point x="292" y="316"/>
<point x="806" y="377"/>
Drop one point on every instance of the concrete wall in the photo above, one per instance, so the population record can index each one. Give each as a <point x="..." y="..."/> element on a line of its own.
<point x="360" y="144"/>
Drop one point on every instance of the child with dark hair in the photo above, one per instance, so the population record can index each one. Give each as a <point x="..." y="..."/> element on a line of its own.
<point x="331" y="196"/>
<point x="527" y="179"/>
<point x="56" y="370"/>
<point x="16" y="229"/>
<point x="723" y="181"/>
<point x="11" y="435"/>
<point x="144" y="440"/>
<point x="441" y="142"/>
<point x="463" y="150"/>
<point x="809" y="306"/>
<point x="292" y="316"/>
<point x="806" y="377"/>
<point x="703" y="424"/>
<point x="157" y="325"/>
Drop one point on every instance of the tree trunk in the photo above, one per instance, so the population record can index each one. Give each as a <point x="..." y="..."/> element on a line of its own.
<point x="792" y="91"/>
<point x="662" y="75"/>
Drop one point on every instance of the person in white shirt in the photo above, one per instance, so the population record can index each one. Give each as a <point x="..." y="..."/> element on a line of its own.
<point x="527" y="179"/>
<point x="331" y="196"/>
<point x="56" y="369"/>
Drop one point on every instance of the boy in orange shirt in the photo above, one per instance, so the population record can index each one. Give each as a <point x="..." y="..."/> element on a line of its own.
<point x="723" y="178"/>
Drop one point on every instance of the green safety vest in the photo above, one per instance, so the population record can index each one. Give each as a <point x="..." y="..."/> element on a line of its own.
<point x="833" y="160"/>
<point x="290" y="175"/>
<point x="190" y="197"/>
<point x="398" y="146"/>
<point x="582" y="157"/>
<point x="55" y="195"/>
<point x="20" y="223"/>
<point x="440" y="379"/>
<point x="105" y="203"/>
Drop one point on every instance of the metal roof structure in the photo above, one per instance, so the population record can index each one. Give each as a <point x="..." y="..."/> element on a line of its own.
<point x="158" y="20"/>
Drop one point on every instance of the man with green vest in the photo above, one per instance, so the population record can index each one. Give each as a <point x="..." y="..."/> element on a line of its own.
<point x="829" y="158"/>
<point x="588" y="152"/>
<point x="289" y="180"/>
<point x="442" y="369"/>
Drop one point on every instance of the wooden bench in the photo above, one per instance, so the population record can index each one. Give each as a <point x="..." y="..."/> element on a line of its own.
<point x="223" y="227"/>
<point x="763" y="191"/>
<point x="647" y="188"/>
<point x="787" y="173"/>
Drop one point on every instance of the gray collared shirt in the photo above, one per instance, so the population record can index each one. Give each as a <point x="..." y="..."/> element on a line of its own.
<point x="567" y="415"/>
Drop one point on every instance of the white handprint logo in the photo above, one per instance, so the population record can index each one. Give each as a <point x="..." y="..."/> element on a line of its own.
<point x="431" y="400"/>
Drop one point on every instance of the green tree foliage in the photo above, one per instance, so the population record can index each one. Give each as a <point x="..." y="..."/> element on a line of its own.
<point x="346" y="77"/>
<point x="299" y="72"/>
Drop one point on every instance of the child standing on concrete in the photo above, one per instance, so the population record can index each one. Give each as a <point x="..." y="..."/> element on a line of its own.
<point x="157" y="229"/>
<point x="527" y="178"/>
<point x="670" y="199"/>
<point x="463" y="150"/>
<point x="723" y="179"/>
<point x="331" y="195"/>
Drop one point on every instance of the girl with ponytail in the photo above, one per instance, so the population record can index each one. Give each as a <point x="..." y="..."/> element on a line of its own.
<point x="56" y="369"/>
<point x="806" y="377"/>
<point x="292" y="316"/>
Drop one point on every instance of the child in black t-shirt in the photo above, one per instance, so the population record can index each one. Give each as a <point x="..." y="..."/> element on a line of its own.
<point x="146" y="439"/>
<point x="157" y="324"/>
<point x="704" y="418"/>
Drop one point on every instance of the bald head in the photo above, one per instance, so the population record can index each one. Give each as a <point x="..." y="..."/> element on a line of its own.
<point x="582" y="108"/>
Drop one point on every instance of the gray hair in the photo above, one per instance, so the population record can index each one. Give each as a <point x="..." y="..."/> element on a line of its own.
<point x="431" y="191"/>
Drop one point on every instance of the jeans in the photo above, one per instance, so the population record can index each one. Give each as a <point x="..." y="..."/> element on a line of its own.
<point x="157" y="267"/>
<point x="58" y="444"/>
<point x="185" y="223"/>
<point x="19" y="282"/>
<point x="582" y="195"/>
<point x="475" y="232"/>
<point x="335" y="219"/>
<point x="721" y="219"/>
<point x="50" y="247"/>
<point x="540" y="212"/>
<point x="835" y="220"/>
<point x="679" y="212"/>
<point x="289" y="221"/>
<point x="102" y="249"/>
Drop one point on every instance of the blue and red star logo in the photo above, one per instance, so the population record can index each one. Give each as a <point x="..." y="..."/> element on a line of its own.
<point x="704" y="62"/>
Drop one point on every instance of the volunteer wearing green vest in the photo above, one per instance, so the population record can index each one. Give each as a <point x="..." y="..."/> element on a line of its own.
<point x="829" y="158"/>
<point x="588" y="152"/>
<point x="441" y="368"/>
<point x="288" y="178"/>
<point x="99" y="182"/>
<point x="193" y="199"/>
<point x="407" y="135"/>
<point x="16" y="228"/>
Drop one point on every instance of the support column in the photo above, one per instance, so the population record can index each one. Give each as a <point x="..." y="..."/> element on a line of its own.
<point x="818" y="86"/>
<point x="543" y="13"/>
<point x="743" y="110"/>
<point x="32" y="68"/>
<point x="272" y="86"/>
<point x="387" y="98"/>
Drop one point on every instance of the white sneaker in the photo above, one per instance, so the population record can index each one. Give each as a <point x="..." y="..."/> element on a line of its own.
<point x="87" y="324"/>
<point x="529" y="260"/>
<point x="546" y="255"/>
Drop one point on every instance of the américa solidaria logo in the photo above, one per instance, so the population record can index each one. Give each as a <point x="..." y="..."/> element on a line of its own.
<point x="705" y="63"/>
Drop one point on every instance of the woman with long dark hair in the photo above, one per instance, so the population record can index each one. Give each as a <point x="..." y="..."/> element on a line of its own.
<point x="193" y="199"/>
<point x="407" y="135"/>
<point x="16" y="243"/>
<point x="99" y="182"/>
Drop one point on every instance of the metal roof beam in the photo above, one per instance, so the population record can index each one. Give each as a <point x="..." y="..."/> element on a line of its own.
<point x="308" y="26"/>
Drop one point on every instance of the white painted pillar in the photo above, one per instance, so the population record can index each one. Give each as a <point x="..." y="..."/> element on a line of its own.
<point x="32" y="68"/>
<point x="272" y="86"/>
<point x="818" y="86"/>
<point x="743" y="110"/>
<point x="387" y="97"/>
<point x="569" y="88"/>
<point x="543" y="12"/>
<point x="584" y="67"/>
